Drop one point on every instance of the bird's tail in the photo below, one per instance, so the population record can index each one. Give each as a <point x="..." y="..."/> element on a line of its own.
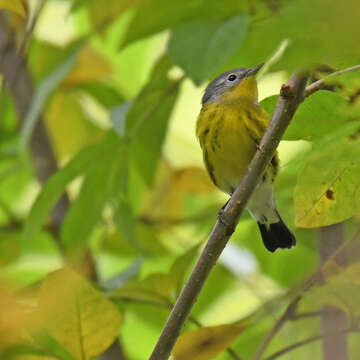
<point x="277" y="235"/>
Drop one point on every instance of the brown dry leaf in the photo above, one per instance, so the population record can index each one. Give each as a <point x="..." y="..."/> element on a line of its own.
<point x="205" y="343"/>
<point x="89" y="67"/>
<point x="78" y="316"/>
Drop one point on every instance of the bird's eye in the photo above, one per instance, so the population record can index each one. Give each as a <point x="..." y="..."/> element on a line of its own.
<point x="232" y="77"/>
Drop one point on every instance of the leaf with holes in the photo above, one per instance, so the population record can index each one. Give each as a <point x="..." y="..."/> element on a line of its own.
<point x="76" y="315"/>
<point x="328" y="188"/>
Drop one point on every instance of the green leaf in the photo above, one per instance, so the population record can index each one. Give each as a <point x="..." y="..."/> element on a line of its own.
<point x="202" y="47"/>
<point x="148" y="117"/>
<point x="153" y="16"/>
<point x="341" y="291"/>
<point x="321" y="18"/>
<point x="102" y="179"/>
<point x="126" y="222"/>
<point x="55" y="186"/>
<point x="327" y="191"/>
<point x="155" y="289"/>
<point x="181" y="265"/>
<point x="106" y="95"/>
<point x="41" y="95"/>
<point x="320" y="114"/>
<point x="47" y="342"/>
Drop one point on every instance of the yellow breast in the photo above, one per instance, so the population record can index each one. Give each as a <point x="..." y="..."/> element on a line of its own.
<point x="226" y="142"/>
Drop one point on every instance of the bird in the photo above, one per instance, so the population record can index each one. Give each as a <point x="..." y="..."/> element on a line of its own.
<point x="229" y="127"/>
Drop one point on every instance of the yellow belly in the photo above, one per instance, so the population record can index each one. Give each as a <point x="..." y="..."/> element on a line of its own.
<point x="227" y="145"/>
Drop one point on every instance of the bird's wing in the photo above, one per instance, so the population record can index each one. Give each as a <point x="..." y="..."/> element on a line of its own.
<point x="256" y="122"/>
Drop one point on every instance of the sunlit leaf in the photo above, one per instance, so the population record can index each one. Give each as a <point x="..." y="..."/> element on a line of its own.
<point x="89" y="67"/>
<point x="202" y="47"/>
<point x="41" y="95"/>
<point x="16" y="6"/>
<point x="55" y="186"/>
<point x="205" y="343"/>
<point x="68" y="126"/>
<point x="79" y="317"/>
<point x="327" y="191"/>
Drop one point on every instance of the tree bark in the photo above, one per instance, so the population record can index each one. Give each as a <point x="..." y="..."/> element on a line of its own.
<point x="333" y="320"/>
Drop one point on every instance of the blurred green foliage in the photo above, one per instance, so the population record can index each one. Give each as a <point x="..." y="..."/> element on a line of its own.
<point x="118" y="84"/>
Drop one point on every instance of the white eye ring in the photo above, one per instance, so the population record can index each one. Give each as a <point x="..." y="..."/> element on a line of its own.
<point x="232" y="77"/>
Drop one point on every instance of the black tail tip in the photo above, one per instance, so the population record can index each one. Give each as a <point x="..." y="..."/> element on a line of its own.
<point x="277" y="236"/>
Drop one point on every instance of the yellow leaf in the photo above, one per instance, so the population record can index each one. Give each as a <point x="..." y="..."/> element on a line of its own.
<point x="193" y="179"/>
<point x="18" y="319"/>
<point x="90" y="66"/>
<point x="68" y="126"/>
<point x="101" y="15"/>
<point x="15" y="6"/>
<point x="205" y="343"/>
<point x="78" y="316"/>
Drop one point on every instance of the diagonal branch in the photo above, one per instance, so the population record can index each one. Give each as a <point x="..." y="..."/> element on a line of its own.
<point x="332" y="334"/>
<point x="292" y="94"/>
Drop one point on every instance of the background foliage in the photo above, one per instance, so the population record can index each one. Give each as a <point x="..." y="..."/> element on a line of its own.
<point x="117" y="85"/>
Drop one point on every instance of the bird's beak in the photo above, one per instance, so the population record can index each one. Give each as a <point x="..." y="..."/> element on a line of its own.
<point x="253" y="71"/>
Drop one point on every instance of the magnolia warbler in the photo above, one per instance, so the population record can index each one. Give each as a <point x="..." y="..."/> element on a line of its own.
<point x="230" y="127"/>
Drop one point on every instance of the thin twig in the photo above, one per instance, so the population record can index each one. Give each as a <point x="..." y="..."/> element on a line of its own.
<point x="306" y="315"/>
<point x="28" y="34"/>
<point x="289" y="312"/>
<point x="304" y="287"/>
<point x="317" y="85"/>
<point x="310" y="340"/>
<point x="292" y="94"/>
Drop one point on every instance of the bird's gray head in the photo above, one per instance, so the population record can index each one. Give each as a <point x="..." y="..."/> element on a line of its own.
<point x="226" y="81"/>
